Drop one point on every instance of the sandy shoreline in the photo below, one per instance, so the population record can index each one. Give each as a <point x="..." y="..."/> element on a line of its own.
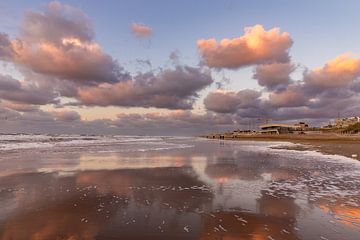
<point x="344" y="145"/>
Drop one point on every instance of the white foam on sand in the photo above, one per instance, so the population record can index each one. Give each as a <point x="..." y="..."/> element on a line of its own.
<point x="280" y="149"/>
<point x="317" y="175"/>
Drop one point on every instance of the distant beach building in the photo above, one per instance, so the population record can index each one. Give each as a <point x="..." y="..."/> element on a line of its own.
<point x="301" y="126"/>
<point x="276" y="128"/>
<point x="247" y="131"/>
<point x="346" y="122"/>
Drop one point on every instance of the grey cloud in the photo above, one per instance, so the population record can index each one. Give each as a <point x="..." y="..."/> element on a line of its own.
<point x="274" y="75"/>
<point x="7" y="114"/>
<point x="175" y="57"/>
<point x="13" y="90"/>
<point x="48" y="122"/>
<point x="172" y="88"/>
<point x="144" y="62"/>
<point x="290" y="97"/>
<point x="6" y="51"/>
<point x="56" y="22"/>
<point x="355" y="86"/>
<point x="7" y="83"/>
<point x="20" y="107"/>
<point x="173" y="123"/>
<point x="38" y="117"/>
<point x="230" y="102"/>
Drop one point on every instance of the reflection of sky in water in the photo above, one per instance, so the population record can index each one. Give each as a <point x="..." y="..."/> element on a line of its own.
<point x="209" y="191"/>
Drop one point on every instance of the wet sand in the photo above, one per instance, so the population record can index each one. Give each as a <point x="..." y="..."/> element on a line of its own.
<point x="345" y="145"/>
<point x="347" y="149"/>
<point x="213" y="190"/>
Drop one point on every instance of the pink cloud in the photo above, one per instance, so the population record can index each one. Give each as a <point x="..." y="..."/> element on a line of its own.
<point x="256" y="46"/>
<point x="59" y="42"/>
<point x="141" y="30"/>
<point x="338" y="72"/>
<point x="65" y="115"/>
<point x="20" y="107"/>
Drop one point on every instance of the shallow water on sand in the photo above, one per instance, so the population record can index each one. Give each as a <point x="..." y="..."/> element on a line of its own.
<point x="175" y="188"/>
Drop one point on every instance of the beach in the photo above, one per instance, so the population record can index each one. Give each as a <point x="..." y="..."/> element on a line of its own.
<point x="126" y="187"/>
<point x="340" y="144"/>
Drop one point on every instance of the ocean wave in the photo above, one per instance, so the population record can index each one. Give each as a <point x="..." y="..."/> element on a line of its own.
<point x="13" y="142"/>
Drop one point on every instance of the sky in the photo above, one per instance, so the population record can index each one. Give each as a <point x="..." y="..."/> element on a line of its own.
<point x="175" y="67"/>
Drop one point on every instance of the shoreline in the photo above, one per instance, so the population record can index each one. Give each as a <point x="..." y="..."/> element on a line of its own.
<point x="345" y="145"/>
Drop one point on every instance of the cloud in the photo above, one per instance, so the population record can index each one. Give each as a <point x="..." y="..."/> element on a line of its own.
<point x="291" y="97"/>
<point x="175" y="57"/>
<point x="338" y="72"/>
<point x="180" y="122"/>
<point x="57" y="22"/>
<point x="20" y="107"/>
<point x="256" y="46"/>
<point x="229" y="102"/>
<point x="61" y="121"/>
<point x="57" y="55"/>
<point x="332" y="84"/>
<point x="141" y="30"/>
<point x="6" y="51"/>
<point x="67" y="116"/>
<point x="72" y="60"/>
<point x="172" y="88"/>
<point x="59" y="42"/>
<point x="321" y="114"/>
<point x="274" y="75"/>
<point x="23" y="92"/>
<point x="315" y="96"/>
<point x="321" y="94"/>
<point x="173" y="119"/>
<point x="144" y="63"/>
